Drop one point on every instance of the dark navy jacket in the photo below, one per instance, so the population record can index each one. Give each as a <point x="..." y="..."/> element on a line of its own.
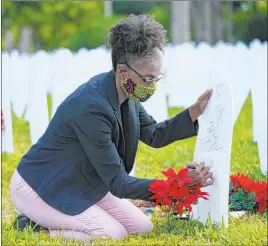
<point x="90" y="145"/>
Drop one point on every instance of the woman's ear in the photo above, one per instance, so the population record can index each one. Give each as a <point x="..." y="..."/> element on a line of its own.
<point x="122" y="71"/>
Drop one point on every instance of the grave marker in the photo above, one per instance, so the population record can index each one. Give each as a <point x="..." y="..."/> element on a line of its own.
<point x="259" y="100"/>
<point x="7" y="133"/>
<point x="19" y="82"/>
<point x="239" y="74"/>
<point x="213" y="146"/>
<point x="37" y="111"/>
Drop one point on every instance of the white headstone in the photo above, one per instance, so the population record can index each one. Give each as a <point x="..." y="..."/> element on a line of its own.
<point x="81" y="51"/>
<point x="213" y="146"/>
<point x="169" y="67"/>
<point x="157" y="106"/>
<point x="7" y="134"/>
<point x="262" y="141"/>
<point x="81" y="63"/>
<point x="180" y="76"/>
<point x="239" y="68"/>
<point x="204" y="60"/>
<point x="62" y="75"/>
<point x="258" y="81"/>
<point x="258" y="54"/>
<point x="39" y="75"/>
<point x="19" y="82"/>
<point x="37" y="111"/>
<point x="44" y="60"/>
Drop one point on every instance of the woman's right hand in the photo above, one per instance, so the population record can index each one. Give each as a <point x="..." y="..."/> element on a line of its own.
<point x="200" y="175"/>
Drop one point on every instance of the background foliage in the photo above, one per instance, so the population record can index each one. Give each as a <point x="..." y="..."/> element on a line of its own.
<point x="82" y="24"/>
<point x="250" y="21"/>
<point x="59" y="24"/>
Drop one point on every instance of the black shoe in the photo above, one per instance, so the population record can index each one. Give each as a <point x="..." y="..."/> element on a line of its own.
<point x="23" y="222"/>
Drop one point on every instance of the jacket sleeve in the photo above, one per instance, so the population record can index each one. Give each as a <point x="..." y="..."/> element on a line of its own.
<point x="158" y="135"/>
<point x="93" y="130"/>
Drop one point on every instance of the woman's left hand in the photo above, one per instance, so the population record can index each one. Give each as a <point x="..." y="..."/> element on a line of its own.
<point x="198" y="108"/>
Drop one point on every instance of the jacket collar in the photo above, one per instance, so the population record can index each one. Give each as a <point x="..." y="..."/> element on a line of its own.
<point x="109" y="86"/>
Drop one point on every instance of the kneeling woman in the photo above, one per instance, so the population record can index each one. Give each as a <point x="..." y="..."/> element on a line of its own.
<point x="76" y="176"/>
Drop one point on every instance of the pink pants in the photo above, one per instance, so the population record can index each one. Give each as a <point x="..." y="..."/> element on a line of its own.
<point x="110" y="217"/>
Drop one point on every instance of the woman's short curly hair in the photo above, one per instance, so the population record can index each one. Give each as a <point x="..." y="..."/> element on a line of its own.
<point x="136" y="39"/>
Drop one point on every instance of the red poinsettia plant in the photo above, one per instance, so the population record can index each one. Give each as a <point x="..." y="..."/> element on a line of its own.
<point x="174" y="191"/>
<point x="241" y="182"/>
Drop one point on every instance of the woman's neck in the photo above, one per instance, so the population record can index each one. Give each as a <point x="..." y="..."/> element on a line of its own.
<point x="120" y="93"/>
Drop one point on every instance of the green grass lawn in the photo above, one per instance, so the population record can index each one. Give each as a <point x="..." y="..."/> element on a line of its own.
<point x="250" y="229"/>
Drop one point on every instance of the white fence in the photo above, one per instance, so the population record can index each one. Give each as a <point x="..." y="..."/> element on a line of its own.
<point x="188" y="69"/>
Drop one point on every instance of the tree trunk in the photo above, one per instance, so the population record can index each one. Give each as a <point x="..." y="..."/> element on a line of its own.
<point x="229" y="24"/>
<point x="108" y="8"/>
<point x="202" y="16"/>
<point x="207" y="21"/>
<point x="9" y="41"/>
<point x="25" y="42"/>
<point x="197" y="20"/>
<point x="180" y="22"/>
<point x="216" y="22"/>
<point x="207" y="29"/>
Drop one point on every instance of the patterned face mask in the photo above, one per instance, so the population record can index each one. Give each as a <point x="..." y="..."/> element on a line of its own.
<point x="137" y="92"/>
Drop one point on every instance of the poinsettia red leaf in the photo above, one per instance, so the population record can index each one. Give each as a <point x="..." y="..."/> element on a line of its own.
<point x="188" y="180"/>
<point x="197" y="188"/>
<point x="175" y="194"/>
<point x="242" y="181"/>
<point x="189" y="207"/>
<point x="153" y="197"/>
<point x="152" y="190"/>
<point x="158" y="202"/>
<point x="185" y="190"/>
<point x="171" y="181"/>
<point x="154" y="187"/>
<point x="174" y="186"/>
<point x="203" y="194"/>
<point x="262" y="206"/>
<point x="167" y="201"/>
<point x="156" y="184"/>
<point x="170" y="173"/>
<point x="182" y="192"/>
<point x="183" y="172"/>
<point x="191" y="199"/>
<point x="180" y="209"/>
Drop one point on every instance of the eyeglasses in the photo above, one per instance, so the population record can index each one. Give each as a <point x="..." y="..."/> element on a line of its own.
<point x="147" y="80"/>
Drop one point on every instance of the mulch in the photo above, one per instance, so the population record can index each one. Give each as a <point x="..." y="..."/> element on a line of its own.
<point x="148" y="209"/>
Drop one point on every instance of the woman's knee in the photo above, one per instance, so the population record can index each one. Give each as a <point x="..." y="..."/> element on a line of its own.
<point x="143" y="225"/>
<point x="146" y="226"/>
<point x="117" y="232"/>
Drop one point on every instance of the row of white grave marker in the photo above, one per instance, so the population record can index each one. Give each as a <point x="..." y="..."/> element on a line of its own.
<point x="27" y="80"/>
<point x="188" y="70"/>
